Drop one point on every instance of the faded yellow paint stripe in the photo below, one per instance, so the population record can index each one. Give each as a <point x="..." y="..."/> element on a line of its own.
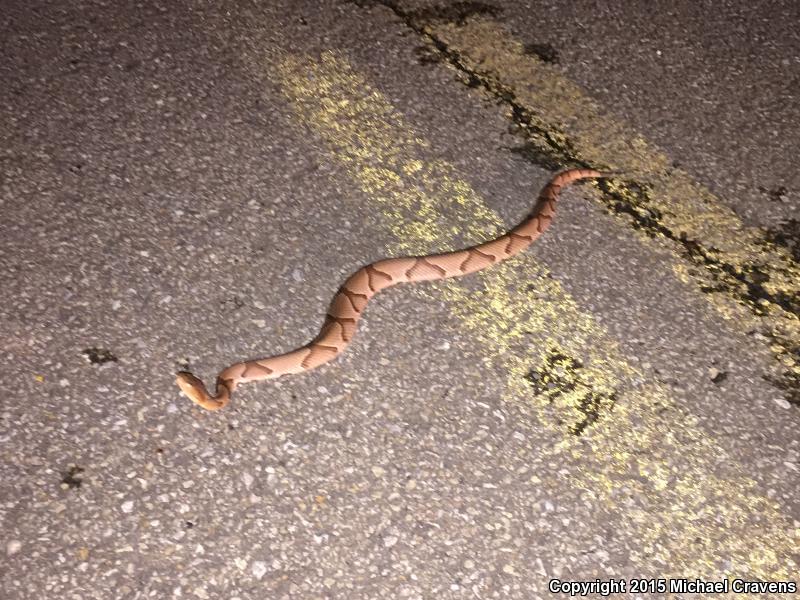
<point x="749" y="280"/>
<point x="687" y="518"/>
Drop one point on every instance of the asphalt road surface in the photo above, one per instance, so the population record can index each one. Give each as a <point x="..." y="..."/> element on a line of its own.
<point x="185" y="185"/>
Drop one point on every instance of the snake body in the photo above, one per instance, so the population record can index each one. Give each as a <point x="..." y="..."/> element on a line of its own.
<point x="350" y="301"/>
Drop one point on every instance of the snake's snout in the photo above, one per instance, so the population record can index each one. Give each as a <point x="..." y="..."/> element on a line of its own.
<point x="196" y="391"/>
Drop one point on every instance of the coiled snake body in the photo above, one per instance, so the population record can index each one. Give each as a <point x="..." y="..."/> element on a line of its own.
<point x="350" y="301"/>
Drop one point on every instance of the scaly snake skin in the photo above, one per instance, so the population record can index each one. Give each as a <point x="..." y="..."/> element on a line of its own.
<point x="350" y="301"/>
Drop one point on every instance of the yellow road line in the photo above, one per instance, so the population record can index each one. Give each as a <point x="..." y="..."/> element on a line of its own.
<point x="688" y="518"/>
<point x="748" y="279"/>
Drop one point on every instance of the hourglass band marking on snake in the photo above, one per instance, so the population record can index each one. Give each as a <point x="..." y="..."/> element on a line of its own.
<point x="349" y="303"/>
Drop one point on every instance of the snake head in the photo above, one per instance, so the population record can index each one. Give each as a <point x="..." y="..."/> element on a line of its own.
<point x="196" y="391"/>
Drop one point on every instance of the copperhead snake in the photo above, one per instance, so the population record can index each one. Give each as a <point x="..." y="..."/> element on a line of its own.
<point x="350" y="301"/>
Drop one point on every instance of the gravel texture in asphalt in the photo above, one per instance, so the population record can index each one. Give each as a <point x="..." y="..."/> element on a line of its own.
<point x="186" y="185"/>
